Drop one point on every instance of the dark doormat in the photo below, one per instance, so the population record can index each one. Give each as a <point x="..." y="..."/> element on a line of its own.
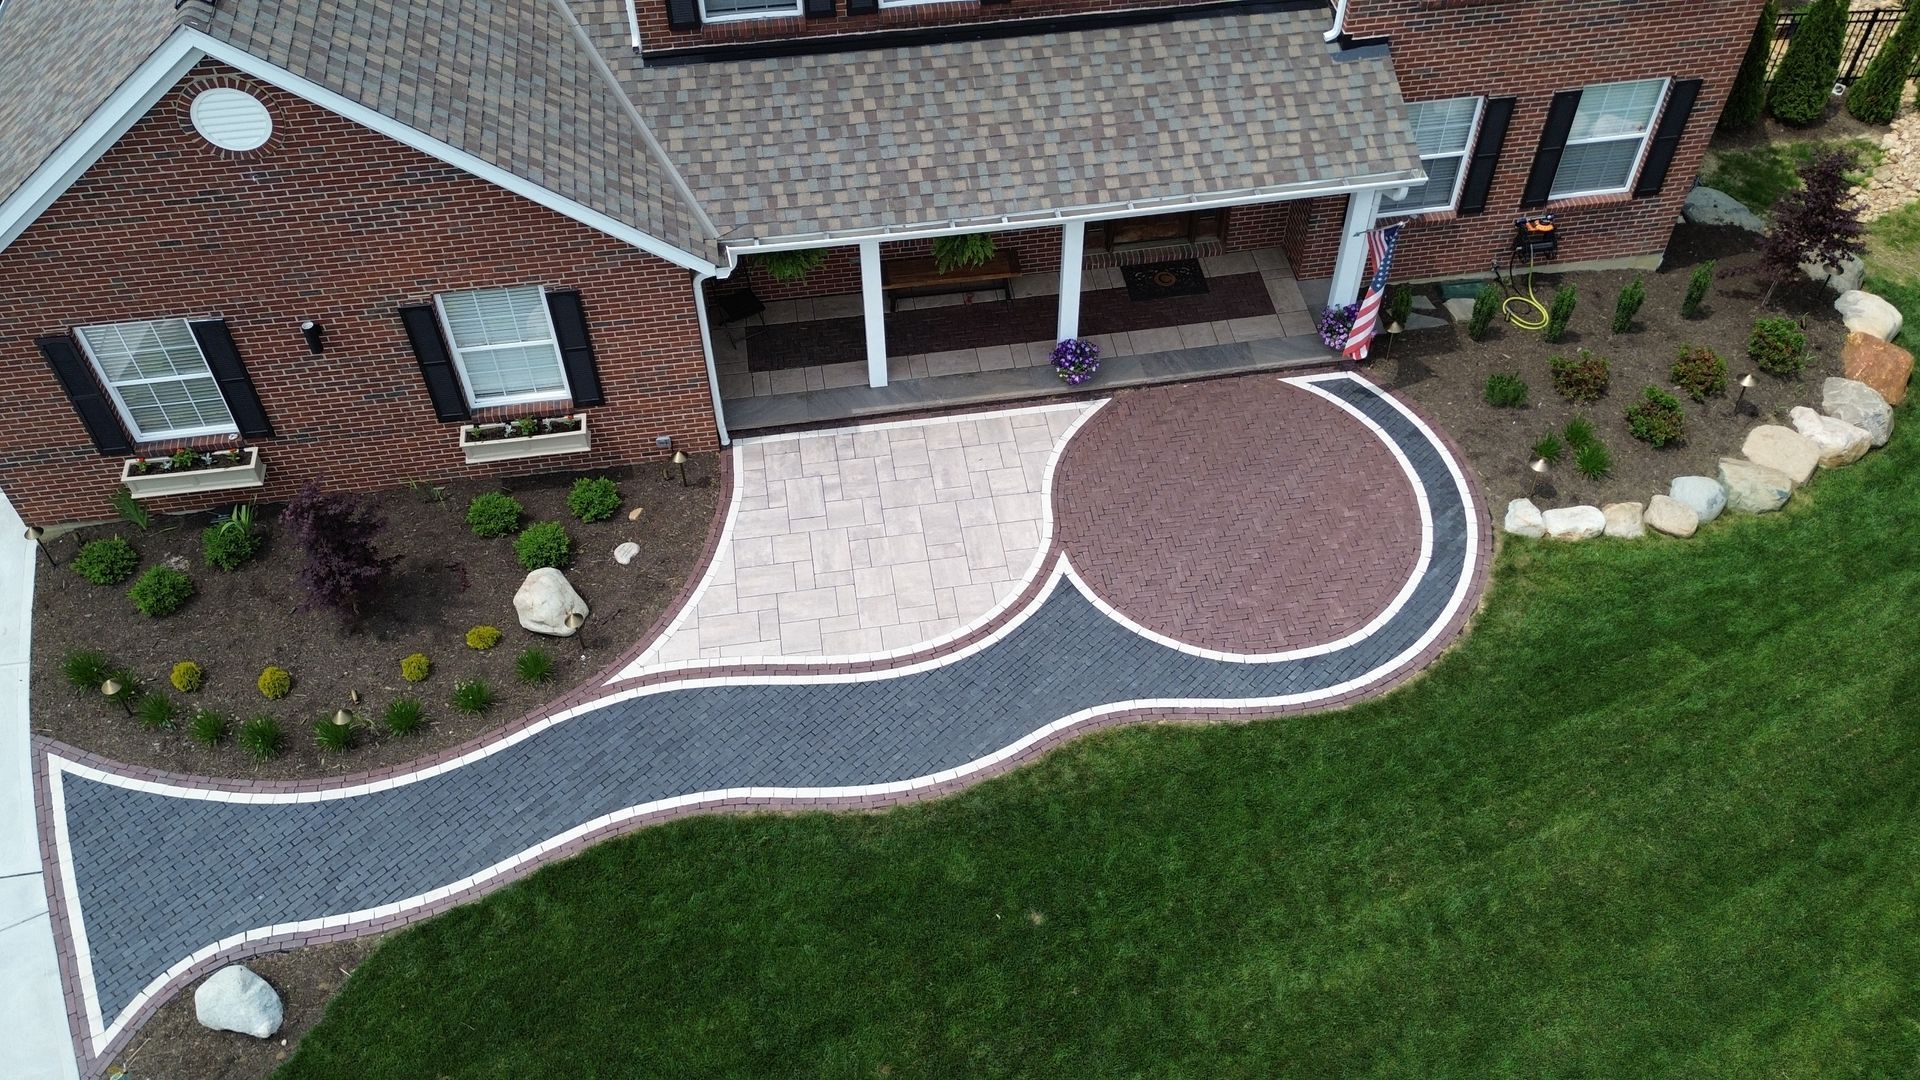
<point x="1157" y="281"/>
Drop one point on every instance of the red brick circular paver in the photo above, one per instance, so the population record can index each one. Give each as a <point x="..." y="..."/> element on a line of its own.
<point x="1245" y="515"/>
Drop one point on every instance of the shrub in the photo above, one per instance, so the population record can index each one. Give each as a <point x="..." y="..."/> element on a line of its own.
<point x="1816" y="223"/>
<point x="493" y="515"/>
<point x="331" y="734"/>
<point x="1399" y="305"/>
<point x="186" y="676"/>
<point x="1581" y="379"/>
<point x="1700" y="372"/>
<point x="1698" y="285"/>
<point x="86" y="669"/>
<point x="416" y="668"/>
<point x="1657" y="418"/>
<point x="1874" y="98"/>
<point x="1747" y="98"/>
<point x="1486" y="304"/>
<point x="534" y="666"/>
<point x="1777" y="347"/>
<point x="1548" y="448"/>
<point x="262" y="737"/>
<point x="275" y="683"/>
<point x="1559" y="312"/>
<point x="483" y="637"/>
<point x="952" y="253"/>
<point x="792" y="265"/>
<point x="208" y="728"/>
<point x="1505" y="390"/>
<point x="227" y="545"/>
<point x="595" y="499"/>
<point x="1593" y="461"/>
<point x="472" y="696"/>
<point x="544" y="544"/>
<point x="1579" y="432"/>
<point x="160" y="591"/>
<point x="342" y="565"/>
<point x="1804" y="81"/>
<point x="404" y="716"/>
<point x="129" y="508"/>
<point x="109" y="560"/>
<point x="155" y="711"/>
<point x="1628" y="305"/>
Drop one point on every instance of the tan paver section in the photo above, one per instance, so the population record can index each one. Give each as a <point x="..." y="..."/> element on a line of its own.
<point x="861" y="541"/>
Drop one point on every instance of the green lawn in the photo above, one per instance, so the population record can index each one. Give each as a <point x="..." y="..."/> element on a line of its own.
<point x="1658" y="816"/>
<point x="1758" y="175"/>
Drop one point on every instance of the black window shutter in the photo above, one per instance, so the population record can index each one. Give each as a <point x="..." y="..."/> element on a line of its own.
<point x="1666" y="138"/>
<point x="1486" y="155"/>
<point x="819" y="9"/>
<point x="1553" y="143"/>
<point x="96" y="412"/>
<point x="683" y="14"/>
<point x="216" y="344"/>
<point x="436" y="362"/>
<point x="862" y="7"/>
<point x="576" y="349"/>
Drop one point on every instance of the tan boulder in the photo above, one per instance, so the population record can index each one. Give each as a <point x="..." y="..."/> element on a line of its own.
<point x="1784" y="449"/>
<point x="1840" y="443"/>
<point x="1625" y="520"/>
<point x="1671" y="516"/>
<point x="1880" y="364"/>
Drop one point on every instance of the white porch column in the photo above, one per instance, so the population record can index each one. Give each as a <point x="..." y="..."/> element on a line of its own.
<point x="1073" y="256"/>
<point x="874" y="310"/>
<point x="1350" y="265"/>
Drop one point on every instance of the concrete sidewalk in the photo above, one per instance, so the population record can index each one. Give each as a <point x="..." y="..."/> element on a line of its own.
<point x="37" y="1043"/>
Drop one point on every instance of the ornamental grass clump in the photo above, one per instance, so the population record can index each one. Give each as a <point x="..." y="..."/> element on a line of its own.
<point x="1505" y="390"/>
<point x="275" y="683"/>
<point x="86" y="669"/>
<point x="593" y="498"/>
<point x="155" y="711"/>
<point x="493" y="514"/>
<point x="1628" y="305"/>
<point x="1076" y="360"/>
<point x="1778" y="347"/>
<point x="483" y="638"/>
<point x="416" y="667"/>
<point x="1579" y="433"/>
<point x="208" y="728"/>
<point x="1700" y="372"/>
<point x="1486" y="304"/>
<point x="1559" y="313"/>
<point x="1581" y="379"/>
<point x="534" y="666"/>
<point x="186" y="676"/>
<point x="161" y="591"/>
<point x="1657" y="418"/>
<point x="1593" y="461"/>
<point x="1548" y="449"/>
<point x="404" y="716"/>
<point x="472" y="696"/>
<point x="341" y="567"/>
<point x="1698" y="285"/>
<point x="109" y="560"/>
<point x="334" y="732"/>
<point x="262" y="737"/>
<point x="544" y="544"/>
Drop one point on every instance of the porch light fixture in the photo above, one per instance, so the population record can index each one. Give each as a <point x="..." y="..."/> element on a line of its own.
<point x="1740" y="404"/>
<point x="313" y="332"/>
<point x="38" y="535"/>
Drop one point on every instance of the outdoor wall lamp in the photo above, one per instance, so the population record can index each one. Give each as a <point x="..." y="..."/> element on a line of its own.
<point x="313" y="332"/>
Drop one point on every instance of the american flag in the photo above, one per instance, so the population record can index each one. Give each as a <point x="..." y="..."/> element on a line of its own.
<point x="1380" y="244"/>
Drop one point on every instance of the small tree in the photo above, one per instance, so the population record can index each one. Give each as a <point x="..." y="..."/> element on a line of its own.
<point x="1628" y="305"/>
<point x="1816" y="223"/>
<point x="336" y="532"/>
<point x="1875" y="98"/>
<point x="1698" y="285"/>
<point x="1805" y="80"/>
<point x="1747" y="98"/>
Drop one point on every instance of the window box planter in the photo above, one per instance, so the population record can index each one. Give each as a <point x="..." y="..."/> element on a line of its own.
<point x="499" y="442"/>
<point x="151" y="478"/>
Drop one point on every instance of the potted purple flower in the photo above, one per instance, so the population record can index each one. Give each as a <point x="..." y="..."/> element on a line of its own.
<point x="1336" y="323"/>
<point x="1076" y="360"/>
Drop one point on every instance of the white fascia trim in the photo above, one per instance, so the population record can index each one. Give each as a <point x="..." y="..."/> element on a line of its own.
<point x="432" y="147"/>
<point x="1339" y="22"/>
<point x="123" y="108"/>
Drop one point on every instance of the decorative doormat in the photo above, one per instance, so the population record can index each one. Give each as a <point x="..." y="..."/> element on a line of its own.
<point x="1157" y="281"/>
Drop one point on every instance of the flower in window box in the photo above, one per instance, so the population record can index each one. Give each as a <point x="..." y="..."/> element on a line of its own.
<point x="1336" y="323"/>
<point x="526" y="427"/>
<point x="1076" y="360"/>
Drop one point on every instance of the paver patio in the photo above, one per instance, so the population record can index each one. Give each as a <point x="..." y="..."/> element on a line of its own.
<point x="164" y="878"/>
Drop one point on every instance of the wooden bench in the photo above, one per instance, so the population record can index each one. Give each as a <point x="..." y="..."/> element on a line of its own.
<point x="918" y="276"/>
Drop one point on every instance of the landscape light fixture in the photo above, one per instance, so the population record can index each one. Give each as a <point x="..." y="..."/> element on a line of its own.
<point x="342" y="717"/>
<point x="313" y="332"/>
<point x="1541" y="488"/>
<point x="680" y="459"/>
<point x="38" y="535"/>
<point x="1740" y="404"/>
<point x="575" y="620"/>
<point x="111" y="690"/>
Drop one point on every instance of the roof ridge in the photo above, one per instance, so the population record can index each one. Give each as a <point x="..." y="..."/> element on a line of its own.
<point x="605" y="74"/>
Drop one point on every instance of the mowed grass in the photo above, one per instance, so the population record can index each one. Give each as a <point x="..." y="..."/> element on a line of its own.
<point x="1659" y="815"/>
<point x="1758" y="175"/>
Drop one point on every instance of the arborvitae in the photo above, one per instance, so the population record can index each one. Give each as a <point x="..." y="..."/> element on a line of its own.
<point x="1747" y="99"/>
<point x="1875" y="98"/>
<point x="1805" y="80"/>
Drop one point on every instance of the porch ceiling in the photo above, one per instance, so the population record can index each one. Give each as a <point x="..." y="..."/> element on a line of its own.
<point x="953" y="132"/>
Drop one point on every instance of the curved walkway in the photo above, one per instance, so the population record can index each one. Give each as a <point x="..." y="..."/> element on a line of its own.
<point x="162" y="881"/>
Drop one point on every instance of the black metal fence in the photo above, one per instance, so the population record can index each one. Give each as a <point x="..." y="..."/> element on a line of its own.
<point x="1866" y="32"/>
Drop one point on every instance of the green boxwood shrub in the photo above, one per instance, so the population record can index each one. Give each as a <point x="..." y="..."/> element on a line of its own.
<point x="483" y="638"/>
<point x="1581" y="379"/>
<point x="1486" y="304"/>
<point x="416" y="667"/>
<point x="1700" y="372"/>
<point x="1778" y="347"/>
<point x="109" y="560"/>
<point x="1657" y="418"/>
<point x="1698" y="285"/>
<point x="1804" y="82"/>
<point x="1628" y="305"/>
<point x="1505" y="390"/>
<point x="544" y="544"/>
<point x="593" y="499"/>
<point x="186" y="676"/>
<point x="493" y="515"/>
<point x="161" y="591"/>
<point x="1559" y="313"/>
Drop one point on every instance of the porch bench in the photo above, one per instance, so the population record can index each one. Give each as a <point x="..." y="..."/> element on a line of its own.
<point x="918" y="276"/>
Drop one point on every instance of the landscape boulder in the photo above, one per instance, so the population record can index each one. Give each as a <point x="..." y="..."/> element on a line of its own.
<point x="626" y="552"/>
<point x="1866" y="313"/>
<point x="1840" y="443"/>
<point x="1886" y="368"/>
<point x="1574" y="522"/>
<point x="1625" y="520"/>
<point x="544" y="601"/>
<point x="1523" y="519"/>
<point x="1858" y="404"/>
<point x="1853" y="270"/>
<point x="1671" y="516"/>
<point x="235" y="999"/>
<point x="1708" y="206"/>
<point x="1784" y="449"/>
<point x="1753" y="488"/>
<point x="1701" y="494"/>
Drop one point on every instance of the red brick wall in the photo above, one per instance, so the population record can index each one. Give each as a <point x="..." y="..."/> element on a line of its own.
<point x="656" y="35"/>
<point x="1038" y="250"/>
<point x="333" y="222"/>
<point x="1529" y="49"/>
<point x="1263" y="225"/>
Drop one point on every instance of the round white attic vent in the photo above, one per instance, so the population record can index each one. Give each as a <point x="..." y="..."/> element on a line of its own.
<point x="231" y="119"/>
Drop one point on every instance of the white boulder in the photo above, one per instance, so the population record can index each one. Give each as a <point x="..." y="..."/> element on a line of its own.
<point x="626" y="552"/>
<point x="1625" y="520"/>
<point x="1671" y="516"/>
<point x="1853" y="270"/>
<point x="1840" y="443"/>
<point x="1866" y="313"/>
<point x="1753" y="488"/>
<point x="1860" y="405"/>
<point x="1524" y="519"/>
<point x="1784" y="449"/>
<point x="1574" y="522"/>
<point x="1701" y="494"/>
<point x="544" y="601"/>
<point x="235" y="999"/>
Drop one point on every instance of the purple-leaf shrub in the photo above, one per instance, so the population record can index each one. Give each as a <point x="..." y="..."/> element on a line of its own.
<point x="1818" y="222"/>
<point x="336" y="532"/>
<point x="1076" y="360"/>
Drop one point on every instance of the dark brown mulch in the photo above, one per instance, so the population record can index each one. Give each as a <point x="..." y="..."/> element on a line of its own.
<point x="1446" y="373"/>
<point x="447" y="581"/>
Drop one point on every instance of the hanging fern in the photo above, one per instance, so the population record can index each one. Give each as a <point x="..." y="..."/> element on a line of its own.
<point x="793" y="265"/>
<point x="952" y="253"/>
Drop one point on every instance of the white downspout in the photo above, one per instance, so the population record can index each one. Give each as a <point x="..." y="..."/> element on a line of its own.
<point x="706" y="347"/>
<point x="1339" y="21"/>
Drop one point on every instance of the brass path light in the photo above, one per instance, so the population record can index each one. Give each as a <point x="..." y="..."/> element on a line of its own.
<point x="1740" y="404"/>
<point x="38" y="535"/>
<point x="1542" y="487"/>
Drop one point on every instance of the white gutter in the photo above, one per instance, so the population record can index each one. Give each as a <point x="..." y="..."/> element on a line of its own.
<point x="706" y="347"/>
<point x="633" y="26"/>
<point x="1339" y="21"/>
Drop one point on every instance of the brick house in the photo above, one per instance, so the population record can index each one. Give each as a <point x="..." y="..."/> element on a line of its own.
<point x="333" y="240"/>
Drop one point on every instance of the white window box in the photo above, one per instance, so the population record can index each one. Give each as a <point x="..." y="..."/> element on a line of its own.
<point x="513" y="447"/>
<point x="158" y="480"/>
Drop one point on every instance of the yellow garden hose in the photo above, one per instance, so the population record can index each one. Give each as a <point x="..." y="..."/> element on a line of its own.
<point x="1531" y="313"/>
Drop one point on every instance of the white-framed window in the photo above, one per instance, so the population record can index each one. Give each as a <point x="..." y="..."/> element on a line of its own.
<point x="503" y="345"/>
<point x="730" y="10"/>
<point x="1444" y="132"/>
<point x="158" y="379"/>
<point x="1608" y="138"/>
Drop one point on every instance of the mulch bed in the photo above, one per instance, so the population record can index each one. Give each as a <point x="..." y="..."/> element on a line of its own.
<point x="447" y="581"/>
<point x="1446" y="373"/>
